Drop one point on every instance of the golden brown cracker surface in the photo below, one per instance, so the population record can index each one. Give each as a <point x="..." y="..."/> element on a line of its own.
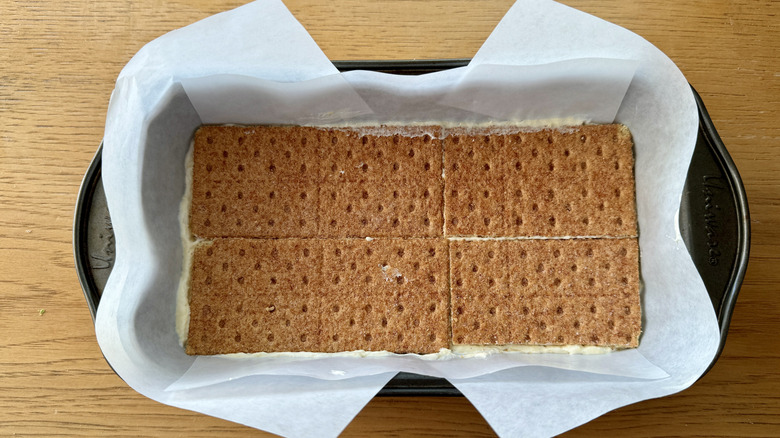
<point x="548" y="183"/>
<point x="385" y="295"/>
<point x="285" y="266"/>
<point x="546" y="292"/>
<point x="255" y="295"/>
<point x="319" y="295"/>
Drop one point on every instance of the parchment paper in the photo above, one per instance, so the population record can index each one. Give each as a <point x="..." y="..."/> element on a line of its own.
<point x="256" y="64"/>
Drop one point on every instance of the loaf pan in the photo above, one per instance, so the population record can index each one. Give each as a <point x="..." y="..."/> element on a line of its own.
<point x="714" y="224"/>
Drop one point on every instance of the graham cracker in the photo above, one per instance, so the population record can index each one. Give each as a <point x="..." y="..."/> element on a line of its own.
<point x="319" y="295"/>
<point x="230" y="208"/>
<point x="385" y="295"/>
<point x="380" y="208"/>
<point x="276" y="153"/>
<point x="479" y="279"/>
<point x="475" y="208"/>
<point x="395" y="153"/>
<point x="564" y="320"/>
<point x="574" y="267"/>
<point x="577" y="181"/>
<point x="557" y="292"/>
<point x="249" y="295"/>
<point x="266" y="182"/>
<point x="474" y="197"/>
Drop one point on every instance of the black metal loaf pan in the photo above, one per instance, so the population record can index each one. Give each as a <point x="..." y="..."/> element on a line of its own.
<point x="714" y="224"/>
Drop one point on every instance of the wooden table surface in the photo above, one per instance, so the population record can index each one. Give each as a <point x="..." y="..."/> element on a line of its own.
<point x="58" y="64"/>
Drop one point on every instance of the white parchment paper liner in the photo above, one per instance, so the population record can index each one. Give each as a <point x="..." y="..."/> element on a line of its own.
<point x="261" y="58"/>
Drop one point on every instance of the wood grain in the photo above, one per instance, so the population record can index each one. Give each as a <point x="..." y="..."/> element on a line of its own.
<point x="58" y="64"/>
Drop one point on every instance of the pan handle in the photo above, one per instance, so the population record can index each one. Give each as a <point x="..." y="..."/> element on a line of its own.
<point x="714" y="220"/>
